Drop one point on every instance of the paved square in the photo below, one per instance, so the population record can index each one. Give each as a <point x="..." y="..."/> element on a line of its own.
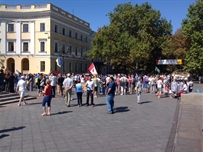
<point x="132" y="128"/>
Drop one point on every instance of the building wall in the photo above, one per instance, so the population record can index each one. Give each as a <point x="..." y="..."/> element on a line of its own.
<point x="33" y="16"/>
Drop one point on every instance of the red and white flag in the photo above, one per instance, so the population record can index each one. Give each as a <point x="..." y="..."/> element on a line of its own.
<point x="92" y="69"/>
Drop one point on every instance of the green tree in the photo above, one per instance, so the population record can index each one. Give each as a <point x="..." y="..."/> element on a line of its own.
<point x="192" y="27"/>
<point x="136" y="34"/>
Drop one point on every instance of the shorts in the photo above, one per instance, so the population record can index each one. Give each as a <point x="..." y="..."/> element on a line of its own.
<point x="22" y="94"/>
<point x="95" y="88"/>
<point x="159" y="89"/>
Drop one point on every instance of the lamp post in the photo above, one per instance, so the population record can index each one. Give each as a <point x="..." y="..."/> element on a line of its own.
<point x="63" y="51"/>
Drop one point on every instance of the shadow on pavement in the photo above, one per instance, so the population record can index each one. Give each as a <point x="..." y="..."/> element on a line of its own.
<point x="34" y="103"/>
<point x="4" y="135"/>
<point x="146" y="102"/>
<point x="121" y="109"/>
<point x="100" y="104"/>
<point x="12" y="129"/>
<point x="63" y="112"/>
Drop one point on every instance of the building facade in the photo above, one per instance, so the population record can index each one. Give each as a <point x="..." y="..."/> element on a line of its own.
<point x="32" y="37"/>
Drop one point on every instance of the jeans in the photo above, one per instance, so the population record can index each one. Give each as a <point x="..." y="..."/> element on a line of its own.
<point x="53" y="90"/>
<point x="89" y="93"/>
<point x="110" y="103"/>
<point x="79" y="97"/>
<point x="138" y="96"/>
<point x="46" y="99"/>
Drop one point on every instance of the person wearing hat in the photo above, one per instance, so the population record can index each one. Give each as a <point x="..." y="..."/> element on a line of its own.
<point x="21" y="87"/>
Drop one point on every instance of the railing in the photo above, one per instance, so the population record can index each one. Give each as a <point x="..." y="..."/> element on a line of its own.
<point x="25" y="6"/>
<point x="41" y="6"/>
<point x="11" y="6"/>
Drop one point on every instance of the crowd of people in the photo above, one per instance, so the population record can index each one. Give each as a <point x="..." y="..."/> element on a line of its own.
<point x="92" y="86"/>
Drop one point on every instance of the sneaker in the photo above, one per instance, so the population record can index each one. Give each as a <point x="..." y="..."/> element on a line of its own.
<point x="19" y="104"/>
<point x="25" y="103"/>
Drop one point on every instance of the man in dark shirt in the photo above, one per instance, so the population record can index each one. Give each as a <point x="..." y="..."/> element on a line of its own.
<point x="60" y="85"/>
<point x="110" y="95"/>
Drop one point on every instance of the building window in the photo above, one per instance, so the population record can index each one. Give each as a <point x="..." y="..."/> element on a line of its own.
<point x="55" y="66"/>
<point x="25" y="47"/>
<point x="56" y="28"/>
<point x="81" y="51"/>
<point x="70" y="67"/>
<point x="76" y="35"/>
<point x="42" y="66"/>
<point x="86" y="67"/>
<point x="76" y="67"/>
<point x="64" y="66"/>
<point x="42" y="46"/>
<point x="56" y="46"/>
<point x="10" y="27"/>
<point x="86" y="39"/>
<point x="64" y="31"/>
<point x="70" y="49"/>
<point x="25" y="27"/>
<point x="81" y="67"/>
<point x="42" y="27"/>
<point x="70" y="33"/>
<point x="81" y="37"/>
<point x="76" y="50"/>
<point x="10" y="46"/>
<point x="64" y="48"/>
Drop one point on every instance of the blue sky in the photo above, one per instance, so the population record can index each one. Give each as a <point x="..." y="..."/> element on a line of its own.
<point x="94" y="11"/>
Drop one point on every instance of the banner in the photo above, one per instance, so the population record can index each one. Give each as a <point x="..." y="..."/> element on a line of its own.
<point x="169" y="62"/>
<point x="92" y="69"/>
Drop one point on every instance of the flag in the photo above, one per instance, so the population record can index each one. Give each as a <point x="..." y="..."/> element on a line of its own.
<point x="92" y="69"/>
<point x="157" y="69"/>
<point x="58" y="61"/>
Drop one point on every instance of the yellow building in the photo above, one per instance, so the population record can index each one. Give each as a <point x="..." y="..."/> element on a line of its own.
<point x="33" y="36"/>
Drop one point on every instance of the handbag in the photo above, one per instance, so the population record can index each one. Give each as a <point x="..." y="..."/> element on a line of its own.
<point x="42" y="83"/>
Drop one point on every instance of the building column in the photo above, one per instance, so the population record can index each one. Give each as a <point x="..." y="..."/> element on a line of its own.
<point x="18" y="37"/>
<point x="3" y="37"/>
<point x="32" y="37"/>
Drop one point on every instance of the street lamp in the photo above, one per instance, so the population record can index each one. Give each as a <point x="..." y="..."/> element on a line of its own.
<point x="63" y="51"/>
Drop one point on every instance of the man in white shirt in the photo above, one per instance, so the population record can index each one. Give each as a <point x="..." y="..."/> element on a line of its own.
<point x="123" y="83"/>
<point x="68" y="84"/>
<point x="21" y="87"/>
<point x="53" y="79"/>
<point x="90" y="91"/>
<point x="159" y="87"/>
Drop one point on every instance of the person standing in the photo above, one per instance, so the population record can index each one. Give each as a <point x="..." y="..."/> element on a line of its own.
<point x="47" y="98"/>
<point x="90" y="91"/>
<point x="53" y="84"/>
<point x="68" y="85"/>
<point x="21" y="87"/>
<point x="110" y="95"/>
<point x="139" y="87"/>
<point x="78" y="88"/>
<point x="96" y="85"/>
<point x="60" y="84"/>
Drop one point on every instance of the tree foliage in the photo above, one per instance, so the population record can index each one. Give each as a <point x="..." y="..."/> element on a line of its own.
<point x="192" y="27"/>
<point x="136" y="34"/>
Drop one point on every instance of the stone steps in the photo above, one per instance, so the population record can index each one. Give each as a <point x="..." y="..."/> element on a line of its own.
<point x="6" y="98"/>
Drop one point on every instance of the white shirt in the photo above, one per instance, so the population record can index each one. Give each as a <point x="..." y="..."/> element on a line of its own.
<point x="185" y="88"/>
<point x="21" y="85"/>
<point x="53" y="80"/>
<point x="159" y="84"/>
<point x="82" y="80"/>
<point x="68" y="82"/>
<point x="90" y="85"/>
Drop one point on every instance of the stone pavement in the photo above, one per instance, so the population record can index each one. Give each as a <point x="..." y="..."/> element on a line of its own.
<point x="133" y="128"/>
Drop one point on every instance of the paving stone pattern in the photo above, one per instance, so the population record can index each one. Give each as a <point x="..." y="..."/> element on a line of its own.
<point x="132" y="128"/>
